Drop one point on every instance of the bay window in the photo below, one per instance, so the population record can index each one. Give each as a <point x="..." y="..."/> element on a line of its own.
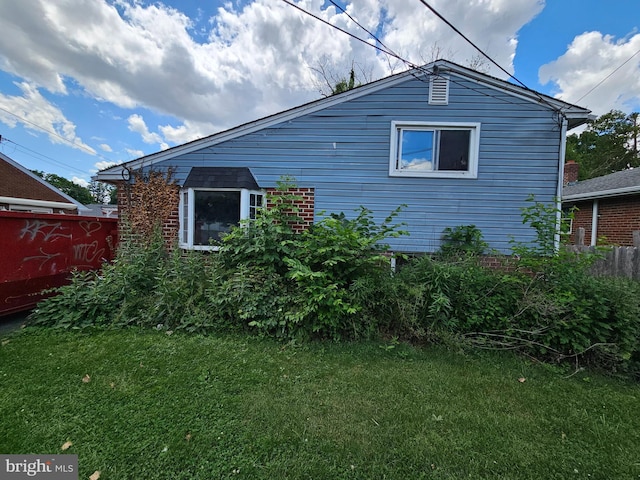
<point x="207" y="214"/>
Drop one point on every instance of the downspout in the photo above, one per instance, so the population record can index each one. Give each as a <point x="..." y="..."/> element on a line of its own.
<point x="563" y="138"/>
<point x="594" y="223"/>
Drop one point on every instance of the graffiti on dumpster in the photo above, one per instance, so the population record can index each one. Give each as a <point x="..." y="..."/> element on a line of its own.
<point x="49" y="230"/>
<point x="39" y="252"/>
<point x="90" y="227"/>
<point x="87" y="252"/>
<point x="43" y="258"/>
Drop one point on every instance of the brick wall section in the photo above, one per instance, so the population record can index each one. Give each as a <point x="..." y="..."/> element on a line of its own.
<point x="618" y="217"/>
<point x="571" y="169"/>
<point x="581" y="219"/>
<point x="170" y="229"/>
<point x="170" y="225"/>
<point x="305" y="204"/>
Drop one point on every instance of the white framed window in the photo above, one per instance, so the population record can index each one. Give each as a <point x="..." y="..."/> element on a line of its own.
<point x="427" y="149"/>
<point x="206" y="214"/>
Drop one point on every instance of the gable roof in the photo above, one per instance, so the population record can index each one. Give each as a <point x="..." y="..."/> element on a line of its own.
<point x="575" y="115"/>
<point x="625" y="182"/>
<point x="19" y="185"/>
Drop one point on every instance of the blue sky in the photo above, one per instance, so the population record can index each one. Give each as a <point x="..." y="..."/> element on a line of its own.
<point x="87" y="83"/>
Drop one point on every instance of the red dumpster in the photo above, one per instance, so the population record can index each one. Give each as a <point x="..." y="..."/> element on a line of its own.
<point x="39" y="252"/>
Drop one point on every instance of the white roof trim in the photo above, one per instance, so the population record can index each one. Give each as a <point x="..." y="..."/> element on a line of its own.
<point x="115" y="172"/>
<point x="615" y="192"/>
<point x="38" y="203"/>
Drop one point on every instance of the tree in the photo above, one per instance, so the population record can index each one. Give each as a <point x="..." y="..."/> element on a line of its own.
<point x="344" y="85"/>
<point x="75" y="191"/>
<point x="102" y="192"/>
<point x="329" y="82"/>
<point x="609" y="144"/>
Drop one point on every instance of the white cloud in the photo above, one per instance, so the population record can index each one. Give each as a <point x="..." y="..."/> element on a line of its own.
<point x="80" y="181"/>
<point x="186" y="132"/>
<point x="137" y="125"/>
<point x="105" y="147"/>
<point x="36" y="113"/>
<point x="589" y="60"/>
<point x="255" y="61"/>
<point x="133" y="153"/>
<point x="104" y="164"/>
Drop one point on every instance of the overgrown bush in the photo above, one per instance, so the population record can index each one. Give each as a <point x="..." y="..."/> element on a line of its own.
<point x="143" y="286"/>
<point x="335" y="281"/>
<point x="306" y="278"/>
<point x="462" y="240"/>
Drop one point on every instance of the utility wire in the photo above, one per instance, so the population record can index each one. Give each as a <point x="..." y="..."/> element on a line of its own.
<point x="540" y="97"/>
<point x="41" y="156"/>
<point x="608" y="76"/>
<point x="420" y="68"/>
<point x="57" y="135"/>
<point x="437" y="14"/>
<point x="381" y="49"/>
<point x="366" y="30"/>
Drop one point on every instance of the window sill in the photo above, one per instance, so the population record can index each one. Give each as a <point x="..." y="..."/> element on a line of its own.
<point x="414" y="174"/>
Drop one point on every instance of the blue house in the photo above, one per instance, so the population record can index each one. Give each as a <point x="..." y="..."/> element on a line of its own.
<point x="458" y="147"/>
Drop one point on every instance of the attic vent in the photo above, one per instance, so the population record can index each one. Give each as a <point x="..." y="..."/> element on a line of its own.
<point x="438" y="91"/>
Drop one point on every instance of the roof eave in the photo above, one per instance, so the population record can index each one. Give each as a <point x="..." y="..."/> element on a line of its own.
<point x="615" y="192"/>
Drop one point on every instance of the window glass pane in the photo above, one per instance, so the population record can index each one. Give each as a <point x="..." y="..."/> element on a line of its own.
<point x="416" y="150"/>
<point x="255" y="202"/>
<point x="215" y="214"/>
<point x="185" y="217"/>
<point x="454" y="150"/>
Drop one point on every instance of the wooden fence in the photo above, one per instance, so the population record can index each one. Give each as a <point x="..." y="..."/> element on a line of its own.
<point x="613" y="261"/>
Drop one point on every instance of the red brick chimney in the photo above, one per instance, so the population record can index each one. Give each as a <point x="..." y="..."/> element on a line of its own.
<point x="570" y="172"/>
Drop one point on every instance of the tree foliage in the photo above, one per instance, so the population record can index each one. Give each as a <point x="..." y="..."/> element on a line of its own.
<point x="609" y="144"/>
<point x="96" y="192"/>
<point x="103" y="192"/>
<point x="75" y="191"/>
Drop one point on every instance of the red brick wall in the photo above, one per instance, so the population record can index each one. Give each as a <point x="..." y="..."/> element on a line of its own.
<point x="618" y="217"/>
<point x="170" y="224"/>
<point x="571" y="170"/>
<point x="581" y="219"/>
<point x="305" y="204"/>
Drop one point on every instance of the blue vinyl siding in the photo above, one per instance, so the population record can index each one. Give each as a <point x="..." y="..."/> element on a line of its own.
<point x="343" y="152"/>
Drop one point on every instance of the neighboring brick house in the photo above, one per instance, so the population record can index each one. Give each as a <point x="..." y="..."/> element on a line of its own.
<point x="23" y="191"/>
<point x="608" y="207"/>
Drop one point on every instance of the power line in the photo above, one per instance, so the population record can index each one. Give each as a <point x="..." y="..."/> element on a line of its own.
<point x="609" y="76"/>
<point x="420" y="68"/>
<point x="363" y="28"/>
<point x="437" y="14"/>
<point x="383" y="50"/>
<point x="55" y="134"/>
<point x="41" y="156"/>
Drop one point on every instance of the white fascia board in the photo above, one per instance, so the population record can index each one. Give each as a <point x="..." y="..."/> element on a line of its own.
<point x="38" y="203"/>
<point x="569" y="111"/>
<point x="616" y="192"/>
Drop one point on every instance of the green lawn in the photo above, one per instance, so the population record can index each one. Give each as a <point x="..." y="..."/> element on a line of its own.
<point x="194" y="407"/>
